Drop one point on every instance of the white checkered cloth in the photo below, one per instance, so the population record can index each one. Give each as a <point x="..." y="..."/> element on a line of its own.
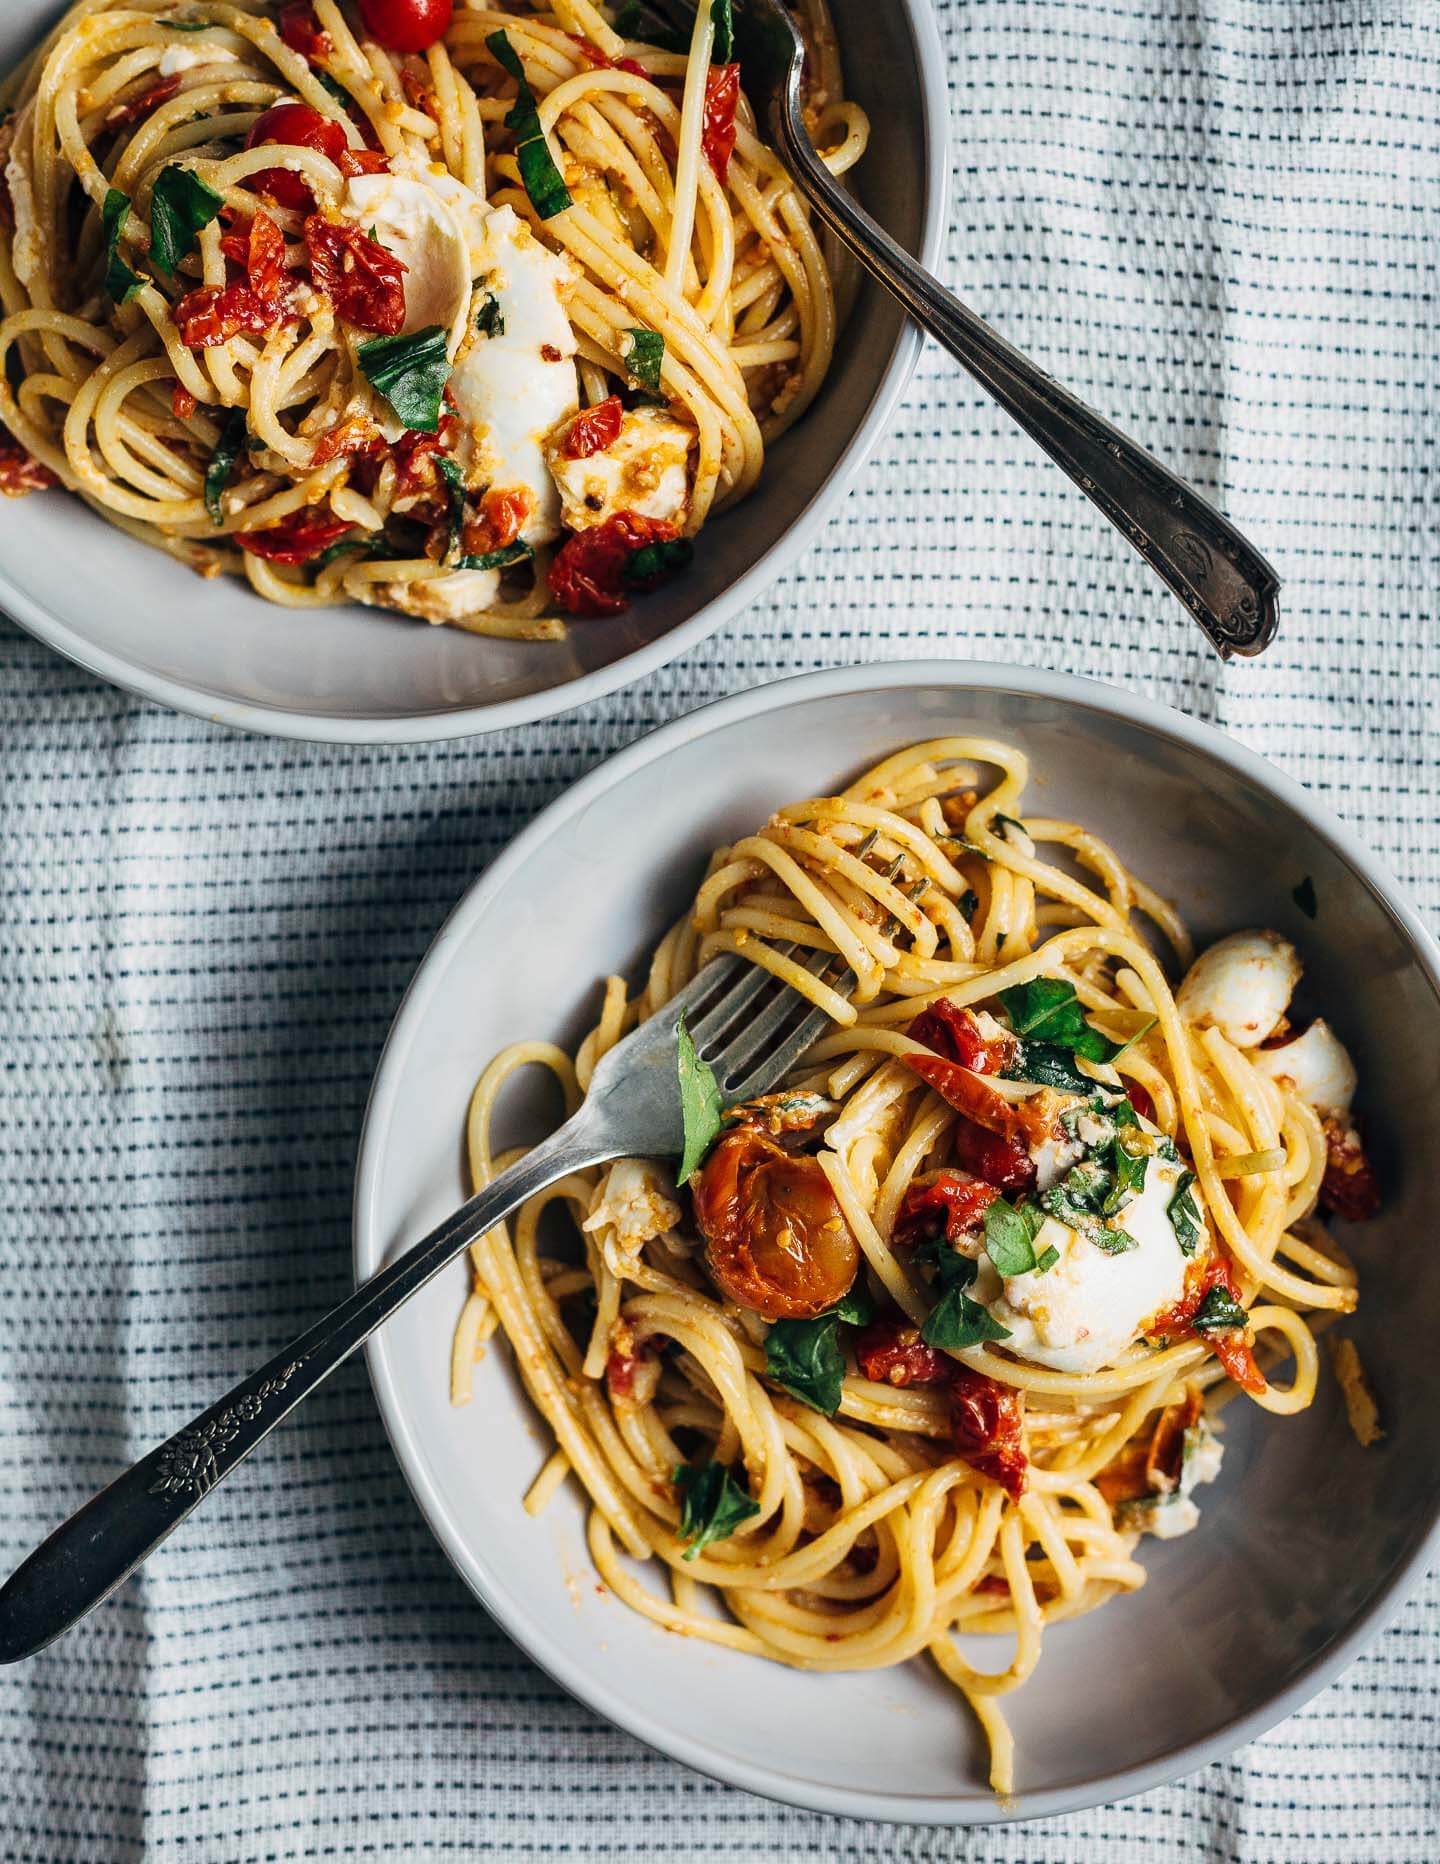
<point x="1218" y="219"/>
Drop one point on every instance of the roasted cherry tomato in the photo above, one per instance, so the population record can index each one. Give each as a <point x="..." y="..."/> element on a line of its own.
<point x="1140" y="1100"/>
<point x="504" y="512"/>
<point x="407" y="25"/>
<point x="300" y="127"/>
<point x="986" y="1419"/>
<point x="722" y="96"/>
<point x="587" y="576"/>
<point x="956" y="1034"/>
<point x="1003" y="1162"/>
<point x="259" y="250"/>
<point x="992" y="1138"/>
<point x="298" y="539"/>
<point x="211" y="315"/>
<point x="301" y="31"/>
<point x="952" y="1204"/>
<point x="364" y="282"/>
<point x="1350" y="1188"/>
<point x="775" y="1237"/>
<point x="1231" y="1348"/>
<point x="892" y="1353"/>
<point x="594" y="429"/>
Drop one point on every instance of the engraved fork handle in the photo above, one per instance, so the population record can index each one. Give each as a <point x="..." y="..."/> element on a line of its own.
<point x="1229" y="588"/>
<point x="93" y="1552"/>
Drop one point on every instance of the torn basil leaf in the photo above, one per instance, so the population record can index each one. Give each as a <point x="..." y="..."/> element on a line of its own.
<point x="180" y="204"/>
<point x="541" y="178"/>
<point x="652" y="561"/>
<point x="490" y="319"/>
<point x="722" y="15"/>
<point x="700" y="1103"/>
<point x="1044" y="1263"/>
<point x="410" y="371"/>
<point x="450" y="472"/>
<point x="712" y="1504"/>
<point x="1010" y="1236"/>
<point x="1049" y="1065"/>
<point x="1219" y="1312"/>
<point x="1047" y="1010"/>
<point x="121" y="284"/>
<point x="228" y="449"/>
<point x="1184" y="1215"/>
<point x="500" y="559"/>
<point x="643" y="359"/>
<point x="804" y="1358"/>
<point x="956" y="1322"/>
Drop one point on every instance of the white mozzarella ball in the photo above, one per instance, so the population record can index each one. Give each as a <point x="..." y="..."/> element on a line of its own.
<point x="1317" y="1066"/>
<point x="1241" y="986"/>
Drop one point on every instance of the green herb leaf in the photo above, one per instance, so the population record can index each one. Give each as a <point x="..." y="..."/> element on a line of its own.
<point x="1184" y="1215"/>
<point x="1010" y="1236"/>
<point x="489" y="319"/>
<point x="1304" y="897"/>
<point x="644" y="357"/>
<point x="856" y="1309"/>
<point x="1129" y="1177"/>
<point x="634" y="21"/>
<point x="185" y="25"/>
<point x="497" y="559"/>
<point x="411" y="373"/>
<point x="803" y="1357"/>
<point x="700" y="1103"/>
<point x="723" y="16"/>
<point x="956" y="1322"/>
<point x="1048" y="1010"/>
<point x="372" y="546"/>
<point x="336" y="89"/>
<point x="968" y="903"/>
<point x="1139" y="1036"/>
<point x="1219" y="1312"/>
<point x="652" y="561"/>
<point x="179" y="206"/>
<point x="222" y="462"/>
<point x="1002" y="824"/>
<point x="121" y="284"/>
<point x="950" y="1268"/>
<point x="1047" y="1261"/>
<point x="712" y="1504"/>
<point x="543" y="183"/>
<point x="1048" y="1064"/>
<point x="1113" y="1240"/>
<point x="450" y="472"/>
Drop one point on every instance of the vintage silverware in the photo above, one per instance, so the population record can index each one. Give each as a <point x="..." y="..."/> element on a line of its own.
<point x="748" y="1027"/>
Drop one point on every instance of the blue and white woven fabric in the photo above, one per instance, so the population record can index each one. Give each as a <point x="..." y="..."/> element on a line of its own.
<point x="1219" y="220"/>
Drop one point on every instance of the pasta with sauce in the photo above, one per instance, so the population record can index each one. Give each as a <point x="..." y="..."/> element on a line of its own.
<point x="936" y="1332"/>
<point x="474" y="313"/>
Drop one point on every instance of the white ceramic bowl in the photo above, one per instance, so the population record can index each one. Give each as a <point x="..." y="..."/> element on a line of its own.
<point x="1307" y="1545"/>
<point x="354" y="675"/>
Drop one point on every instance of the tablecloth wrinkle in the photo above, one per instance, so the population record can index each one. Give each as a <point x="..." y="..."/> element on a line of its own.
<point x="1218" y="220"/>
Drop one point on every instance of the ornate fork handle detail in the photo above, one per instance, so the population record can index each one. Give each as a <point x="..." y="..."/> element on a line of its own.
<point x="188" y="1464"/>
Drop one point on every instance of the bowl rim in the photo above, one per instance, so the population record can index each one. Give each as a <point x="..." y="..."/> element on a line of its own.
<point x="436" y="726"/>
<point x="548" y="1650"/>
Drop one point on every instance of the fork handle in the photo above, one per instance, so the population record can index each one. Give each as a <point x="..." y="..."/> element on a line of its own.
<point x="1229" y="588"/>
<point x="96" y="1550"/>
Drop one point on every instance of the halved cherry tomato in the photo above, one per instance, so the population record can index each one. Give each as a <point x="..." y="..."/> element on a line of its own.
<point x="407" y="25"/>
<point x="357" y="437"/>
<point x="299" y="539"/>
<point x="594" y="429"/>
<point x="210" y="315"/>
<point x="956" y="1034"/>
<point x="1230" y="1348"/>
<point x="587" y="576"/>
<point x="952" y="1204"/>
<point x="986" y="1419"/>
<point x="297" y="126"/>
<point x="364" y="282"/>
<point x="504" y="513"/>
<point x="301" y="31"/>
<point x="775" y="1237"/>
<point x="722" y="97"/>
<point x="893" y="1353"/>
<point x="993" y="1137"/>
<point x="259" y="250"/>
<point x="1005" y="1163"/>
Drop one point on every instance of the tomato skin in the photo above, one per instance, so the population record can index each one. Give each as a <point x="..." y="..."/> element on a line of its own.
<point x="594" y="429"/>
<point x="260" y="252"/>
<point x="20" y="472"/>
<point x="892" y="1353"/>
<point x="955" y="1034"/>
<point x="986" y="1419"/>
<point x="587" y="575"/>
<point x="125" y="114"/>
<point x="357" y="437"/>
<point x="1002" y="1162"/>
<point x="722" y="97"/>
<point x="952" y="1204"/>
<point x="297" y="126"/>
<point x="297" y="539"/>
<point x="302" y="32"/>
<point x="597" y="60"/>
<point x="1349" y="1188"/>
<point x="182" y="403"/>
<point x="365" y="283"/>
<point x="992" y="1137"/>
<point x="211" y="316"/>
<point x="775" y="1238"/>
<point x="1140" y="1100"/>
<point x="407" y="25"/>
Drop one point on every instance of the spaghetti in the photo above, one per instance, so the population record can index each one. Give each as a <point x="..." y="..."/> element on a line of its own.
<point x="937" y="1331"/>
<point x="482" y="332"/>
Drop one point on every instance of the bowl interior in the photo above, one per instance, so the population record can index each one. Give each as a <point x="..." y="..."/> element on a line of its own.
<point x="137" y="617"/>
<point x="1304" y="1533"/>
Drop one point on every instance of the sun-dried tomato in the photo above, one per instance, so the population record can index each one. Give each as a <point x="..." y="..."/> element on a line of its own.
<point x="298" y="539"/>
<point x="597" y="60"/>
<point x="1230" y="1347"/>
<point x="414" y="457"/>
<point x="1003" y="1162"/>
<point x="356" y="436"/>
<point x="594" y="429"/>
<point x="504" y="512"/>
<point x="182" y="403"/>
<point x="213" y="315"/>
<point x="1350" y="1188"/>
<point x="301" y="31"/>
<point x="956" y="1034"/>
<point x="137" y="107"/>
<point x="892" y="1353"/>
<point x="992" y="1138"/>
<point x="20" y="471"/>
<point x="952" y="1204"/>
<point x="587" y="575"/>
<point x="986" y="1420"/>
<point x="722" y="97"/>
<point x="776" y="1240"/>
<point x="365" y="283"/>
<point x="259" y="251"/>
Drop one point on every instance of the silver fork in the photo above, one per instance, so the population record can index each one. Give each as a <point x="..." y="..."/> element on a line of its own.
<point x="748" y="1027"/>
<point x="1228" y="587"/>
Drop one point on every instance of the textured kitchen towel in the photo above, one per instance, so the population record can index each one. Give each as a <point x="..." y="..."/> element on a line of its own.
<point x="1220" y="222"/>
